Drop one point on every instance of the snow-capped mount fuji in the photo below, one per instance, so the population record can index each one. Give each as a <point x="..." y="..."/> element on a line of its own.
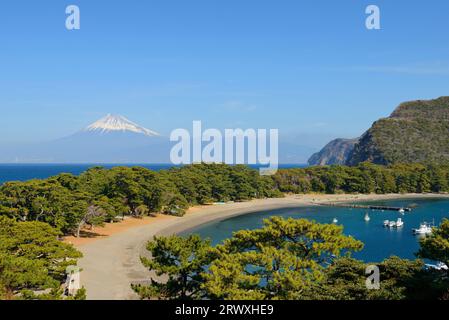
<point x="118" y="123"/>
<point x="111" y="139"/>
<point x="115" y="139"/>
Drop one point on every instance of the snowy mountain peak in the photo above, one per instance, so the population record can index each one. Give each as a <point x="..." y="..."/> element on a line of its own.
<point x="112" y="123"/>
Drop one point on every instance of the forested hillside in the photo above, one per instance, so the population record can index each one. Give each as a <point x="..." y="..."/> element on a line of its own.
<point x="416" y="131"/>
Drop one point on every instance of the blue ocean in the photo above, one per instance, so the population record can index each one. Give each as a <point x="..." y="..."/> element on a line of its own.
<point x="23" y="172"/>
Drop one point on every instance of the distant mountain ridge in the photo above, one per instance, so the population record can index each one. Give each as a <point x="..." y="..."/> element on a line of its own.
<point x="416" y="131"/>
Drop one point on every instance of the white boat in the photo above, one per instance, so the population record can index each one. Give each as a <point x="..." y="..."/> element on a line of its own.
<point x="335" y="221"/>
<point x="439" y="266"/>
<point x="424" y="228"/>
<point x="394" y="224"/>
<point x="367" y="218"/>
<point x="402" y="211"/>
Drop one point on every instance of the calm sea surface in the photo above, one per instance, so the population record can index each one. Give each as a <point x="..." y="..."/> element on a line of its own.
<point x="23" y="172"/>
<point x="379" y="242"/>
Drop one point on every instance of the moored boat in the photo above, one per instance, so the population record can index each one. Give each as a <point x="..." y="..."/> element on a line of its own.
<point x="394" y="224"/>
<point x="424" y="228"/>
<point x="440" y="266"/>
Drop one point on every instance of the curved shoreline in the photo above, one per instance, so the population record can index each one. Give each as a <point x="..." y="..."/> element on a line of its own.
<point x="218" y="213"/>
<point x="222" y="212"/>
<point x="111" y="264"/>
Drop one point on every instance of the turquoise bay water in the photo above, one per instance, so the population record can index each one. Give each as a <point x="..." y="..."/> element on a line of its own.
<point x="380" y="242"/>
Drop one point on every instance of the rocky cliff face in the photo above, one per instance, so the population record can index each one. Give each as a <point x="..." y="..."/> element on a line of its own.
<point x="335" y="152"/>
<point x="417" y="131"/>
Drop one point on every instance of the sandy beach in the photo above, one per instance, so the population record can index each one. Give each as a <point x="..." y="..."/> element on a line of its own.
<point x="112" y="254"/>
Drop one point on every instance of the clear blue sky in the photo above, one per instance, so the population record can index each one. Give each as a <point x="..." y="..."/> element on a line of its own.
<point x="309" y="68"/>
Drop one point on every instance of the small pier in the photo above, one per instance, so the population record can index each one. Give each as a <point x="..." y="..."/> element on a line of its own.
<point x="360" y="206"/>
